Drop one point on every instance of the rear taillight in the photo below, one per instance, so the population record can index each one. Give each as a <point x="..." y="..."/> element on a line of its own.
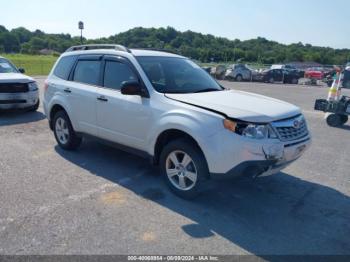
<point x="46" y="85"/>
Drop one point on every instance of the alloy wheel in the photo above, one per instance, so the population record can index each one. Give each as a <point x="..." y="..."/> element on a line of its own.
<point x="181" y="170"/>
<point x="62" y="131"/>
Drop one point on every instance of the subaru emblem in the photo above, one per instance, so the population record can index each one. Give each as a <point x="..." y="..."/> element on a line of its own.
<point x="297" y="124"/>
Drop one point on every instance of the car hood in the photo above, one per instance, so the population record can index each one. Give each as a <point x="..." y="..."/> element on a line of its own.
<point x="240" y="105"/>
<point x="14" y="78"/>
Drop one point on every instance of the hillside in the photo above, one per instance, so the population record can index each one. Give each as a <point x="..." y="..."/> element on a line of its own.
<point x="204" y="48"/>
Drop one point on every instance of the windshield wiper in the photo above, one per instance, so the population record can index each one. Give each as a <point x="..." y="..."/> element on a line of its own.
<point x="207" y="90"/>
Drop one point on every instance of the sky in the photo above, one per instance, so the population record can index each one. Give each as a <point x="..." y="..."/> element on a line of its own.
<point x="317" y="22"/>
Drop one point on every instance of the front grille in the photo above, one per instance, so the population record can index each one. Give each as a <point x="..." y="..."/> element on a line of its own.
<point x="291" y="129"/>
<point x="13" y="88"/>
<point x="13" y="101"/>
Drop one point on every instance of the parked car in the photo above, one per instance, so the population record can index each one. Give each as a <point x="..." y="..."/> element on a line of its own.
<point x="277" y="67"/>
<point x="314" y="73"/>
<point x="165" y="107"/>
<point x="218" y="72"/>
<point x="240" y="72"/>
<point x="289" y="68"/>
<point x="279" y="75"/>
<point x="207" y="69"/>
<point x="17" y="91"/>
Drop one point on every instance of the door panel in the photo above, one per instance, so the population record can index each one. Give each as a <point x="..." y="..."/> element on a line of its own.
<point x="121" y="118"/>
<point x="83" y="91"/>
<point x="278" y="75"/>
<point x="82" y="99"/>
<point x="246" y="73"/>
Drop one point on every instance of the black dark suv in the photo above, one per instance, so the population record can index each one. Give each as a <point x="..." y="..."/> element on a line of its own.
<point x="280" y="75"/>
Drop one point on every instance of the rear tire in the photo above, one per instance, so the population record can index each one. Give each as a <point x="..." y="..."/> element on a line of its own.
<point x="184" y="168"/>
<point x="334" y="120"/>
<point x="65" y="135"/>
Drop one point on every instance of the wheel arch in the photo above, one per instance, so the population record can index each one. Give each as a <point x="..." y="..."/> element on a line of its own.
<point x="169" y="135"/>
<point x="239" y="75"/>
<point x="55" y="107"/>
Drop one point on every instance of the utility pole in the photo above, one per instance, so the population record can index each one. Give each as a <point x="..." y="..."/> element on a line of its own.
<point x="81" y="27"/>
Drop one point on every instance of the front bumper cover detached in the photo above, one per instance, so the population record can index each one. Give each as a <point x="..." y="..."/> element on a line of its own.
<point x="253" y="168"/>
<point x="271" y="165"/>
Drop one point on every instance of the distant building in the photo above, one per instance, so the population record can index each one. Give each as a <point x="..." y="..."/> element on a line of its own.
<point x="46" y="52"/>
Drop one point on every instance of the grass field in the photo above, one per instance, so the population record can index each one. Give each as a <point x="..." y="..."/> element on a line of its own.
<point x="33" y="64"/>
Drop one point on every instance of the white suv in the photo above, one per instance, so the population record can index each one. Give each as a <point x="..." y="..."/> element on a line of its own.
<point x="17" y="91"/>
<point x="167" y="108"/>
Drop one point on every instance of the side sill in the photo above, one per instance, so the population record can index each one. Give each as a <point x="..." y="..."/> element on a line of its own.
<point x="121" y="147"/>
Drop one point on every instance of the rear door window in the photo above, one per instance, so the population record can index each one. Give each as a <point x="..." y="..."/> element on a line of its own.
<point x="64" y="67"/>
<point x="87" y="72"/>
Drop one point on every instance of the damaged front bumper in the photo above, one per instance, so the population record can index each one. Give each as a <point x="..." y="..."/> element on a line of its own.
<point x="265" y="159"/>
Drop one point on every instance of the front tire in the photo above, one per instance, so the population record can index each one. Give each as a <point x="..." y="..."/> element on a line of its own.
<point x="239" y="78"/>
<point x="184" y="168"/>
<point x="65" y="135"/>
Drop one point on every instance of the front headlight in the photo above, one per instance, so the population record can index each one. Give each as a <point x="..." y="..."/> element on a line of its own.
<point x="250" y="130"/>
<point x="33" y="86"/>
<point x="254" y="131"/>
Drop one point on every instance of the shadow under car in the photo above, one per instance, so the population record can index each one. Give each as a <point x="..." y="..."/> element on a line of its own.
<point x="276" y="215"/>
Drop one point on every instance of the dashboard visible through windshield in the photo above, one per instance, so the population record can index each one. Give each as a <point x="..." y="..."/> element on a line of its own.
<point x="177" y="75"/>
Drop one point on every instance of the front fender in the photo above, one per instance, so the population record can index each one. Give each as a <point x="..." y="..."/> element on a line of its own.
<point x="198" y="126"/>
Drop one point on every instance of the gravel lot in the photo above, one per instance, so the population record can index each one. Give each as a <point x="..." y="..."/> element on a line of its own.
<point x="99" y="200"/>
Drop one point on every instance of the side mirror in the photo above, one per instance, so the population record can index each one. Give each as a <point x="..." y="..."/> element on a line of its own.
<point x="21" y="70"/>
<point x="133" y="88"/>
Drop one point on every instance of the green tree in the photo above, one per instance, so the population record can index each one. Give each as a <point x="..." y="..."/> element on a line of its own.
<point x="36" y="44"/>
<point x="23" y="35"/>
<point x="195" y="45"/>
<point x="9" y="42"/>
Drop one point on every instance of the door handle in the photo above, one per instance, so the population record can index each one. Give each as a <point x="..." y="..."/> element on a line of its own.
<point x="67" y="90"/>
<point x="102" y="98"/>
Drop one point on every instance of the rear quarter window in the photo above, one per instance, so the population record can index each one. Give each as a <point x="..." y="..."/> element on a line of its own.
<point x="64" y="67"/>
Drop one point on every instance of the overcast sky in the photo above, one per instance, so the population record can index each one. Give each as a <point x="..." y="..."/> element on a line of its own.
<point x="318" y="22"/>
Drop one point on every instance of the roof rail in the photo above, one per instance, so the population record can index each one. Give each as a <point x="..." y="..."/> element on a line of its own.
<point x="98" y="46"/>
<point x="157" y="49"/>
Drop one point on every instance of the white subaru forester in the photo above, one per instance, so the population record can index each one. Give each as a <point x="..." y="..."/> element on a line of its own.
<point x="165" y="107"/>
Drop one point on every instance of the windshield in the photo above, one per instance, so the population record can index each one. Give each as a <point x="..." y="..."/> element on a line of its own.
<point x="177" y="75"/>
<point x="7" y="67"/>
